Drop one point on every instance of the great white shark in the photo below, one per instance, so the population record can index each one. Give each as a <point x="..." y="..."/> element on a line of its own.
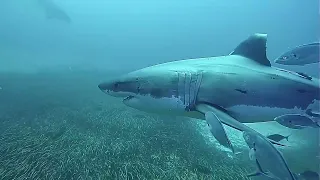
<point x="53" y="11"/>
<point x="238" y="88"/>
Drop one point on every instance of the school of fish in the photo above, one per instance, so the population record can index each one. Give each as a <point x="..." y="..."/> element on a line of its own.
<point x="269" y="161"/>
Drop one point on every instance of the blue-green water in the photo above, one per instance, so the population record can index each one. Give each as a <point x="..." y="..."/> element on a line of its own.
<point x="55" y="123"/>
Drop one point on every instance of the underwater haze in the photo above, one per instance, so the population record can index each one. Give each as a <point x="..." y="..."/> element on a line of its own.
<point x="55" y="123"/>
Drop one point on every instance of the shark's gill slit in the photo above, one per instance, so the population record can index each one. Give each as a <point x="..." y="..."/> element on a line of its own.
<point x="195" y="88"/>
<point x="188" y="88"/>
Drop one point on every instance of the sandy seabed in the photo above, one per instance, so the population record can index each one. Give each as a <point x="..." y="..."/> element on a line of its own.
<point x="60" y="126"/>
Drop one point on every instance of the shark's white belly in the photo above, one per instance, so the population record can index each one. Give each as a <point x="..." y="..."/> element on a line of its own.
<point x="243" y="113"/>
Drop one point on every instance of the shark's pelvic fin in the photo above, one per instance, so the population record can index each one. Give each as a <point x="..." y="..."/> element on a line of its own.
<point x="254" y="48"/>
<point x="224" y="117"/>
<point x="217" y="130"/>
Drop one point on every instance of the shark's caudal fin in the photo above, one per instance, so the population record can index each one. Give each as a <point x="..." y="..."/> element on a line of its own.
<point x="254" y="48"/>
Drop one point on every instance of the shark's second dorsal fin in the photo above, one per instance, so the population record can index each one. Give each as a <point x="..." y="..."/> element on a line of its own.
<point x="253" y="48"/>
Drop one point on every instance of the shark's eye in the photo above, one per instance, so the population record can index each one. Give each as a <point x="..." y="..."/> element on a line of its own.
<point x="116" y="85"/>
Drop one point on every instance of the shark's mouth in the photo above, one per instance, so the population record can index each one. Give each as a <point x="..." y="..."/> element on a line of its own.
<point x="128" y="98"/>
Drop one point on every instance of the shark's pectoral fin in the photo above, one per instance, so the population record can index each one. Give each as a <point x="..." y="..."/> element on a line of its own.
<point x="260" y="172"/>
<point x="217" y="130"/>
<point x="226" y="119"/>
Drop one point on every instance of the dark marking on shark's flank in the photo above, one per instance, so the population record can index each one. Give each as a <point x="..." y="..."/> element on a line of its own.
<point x="301" y="90"/>
<point x="229" y="73"/>
<point x="242" y="91"/>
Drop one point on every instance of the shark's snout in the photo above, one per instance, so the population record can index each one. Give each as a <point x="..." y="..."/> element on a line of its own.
<point x="114" y="88"/>
<point x="281" y="60"/>
<point x="249" y="138"/>
<point x="104" y="87"/>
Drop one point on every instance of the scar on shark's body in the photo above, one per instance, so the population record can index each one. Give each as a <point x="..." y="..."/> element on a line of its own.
<point x="242" y="91"/>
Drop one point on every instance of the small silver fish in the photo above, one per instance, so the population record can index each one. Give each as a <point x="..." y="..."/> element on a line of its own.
<point x="278" y="137"/>
<point x="300" y="55"/>
<point x="309" y="175"/>
<point x="296" y="121"/>
<point x="270" y="162"/>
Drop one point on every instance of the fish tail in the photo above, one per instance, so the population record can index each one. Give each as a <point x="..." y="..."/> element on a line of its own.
<point x="287" y="137"/>
<point x="318" y="123"/>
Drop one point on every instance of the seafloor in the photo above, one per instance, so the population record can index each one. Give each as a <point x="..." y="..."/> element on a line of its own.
<point x="60" y="126"/>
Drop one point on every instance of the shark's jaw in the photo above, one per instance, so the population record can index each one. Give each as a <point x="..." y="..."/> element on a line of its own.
<point x="124" y="95"/>
<point x="128" y="98"/>
<point x="148" y="103"/>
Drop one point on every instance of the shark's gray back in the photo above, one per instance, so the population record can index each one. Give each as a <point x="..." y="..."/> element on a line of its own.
<point x="233" y="84"/>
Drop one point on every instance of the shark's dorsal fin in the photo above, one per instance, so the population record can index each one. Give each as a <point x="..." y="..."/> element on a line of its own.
<point x="254" y="48"/>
